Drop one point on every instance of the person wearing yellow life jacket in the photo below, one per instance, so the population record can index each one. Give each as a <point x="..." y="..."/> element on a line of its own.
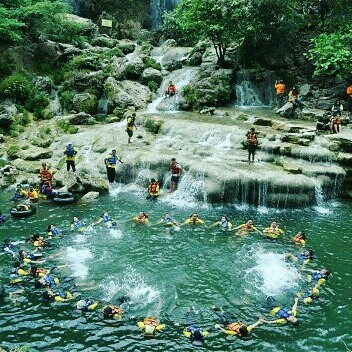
<point x="30" y="258"/>
<point x="252" y="140"/>
<point x="131" y="125"/>
<point x="153" y="189"/>
<point x="273" y="231"/>
<point x="283" y="314"/>
<point x="280" y="93"/>
<point x="309" y="296"/>
<point x="318" y="278"/>
<point x="194" y="219"/>
<point x="70" y="155"/>
<point x="246" y="228"/>
<point x="110" y="162"/>
<point x="150" y="326"/>
<point x="20" y="193"/>
<point x="47" y="281"/>
<point x="77" y="225"/>
<point x="304" y="257"/>
<point x="230" y="325"/>
<point x="17" y="273"/>
<point x="294" y="99"/>
<point x="58" y="296"/>
<point x="141" y="218"/>
<point x="223" y="223"/>
<point x="32" y="195"/>
<point x="85" y="305"/>
<point x="300" y="238"/>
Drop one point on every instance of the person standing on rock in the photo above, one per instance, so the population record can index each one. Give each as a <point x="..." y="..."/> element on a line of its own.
<point x="70" y="153"/>
<point x="252" y="140"/>
<point x="131" y="125"/>
<point x="176" y="171"/>
<point x="110" y="162"/>
<point x="280" y="93"/>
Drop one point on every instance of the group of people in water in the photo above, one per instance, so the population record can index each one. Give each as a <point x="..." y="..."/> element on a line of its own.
<point x="31" y="267"/>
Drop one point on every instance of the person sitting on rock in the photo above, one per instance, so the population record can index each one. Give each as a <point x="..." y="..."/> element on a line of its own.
<point x="45" y="174"/>
<point x="170" y="90"/>
<point x="294" y="99"/>
<point x="335" y="123"/>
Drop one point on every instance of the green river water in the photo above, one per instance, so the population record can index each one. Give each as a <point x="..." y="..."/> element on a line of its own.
<point x="165" y="273"/>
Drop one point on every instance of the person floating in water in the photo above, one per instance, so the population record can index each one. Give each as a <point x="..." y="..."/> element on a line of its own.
<point x="110" y="162"/>
<point x="86" y="305"/>
<point x="284" y="314"/>
<point x="170" y="90"/>
<point x="131" y="125"/>
<point x="245" y="229"/>
<point x="20" y="193"/>
<point x="2" y="218"/>
<point x="309" y="296"/>
<point x="168" y="221"/>
<point x="141" y="218"/>
<point x="115" y="312"/>
<point x="194" y="219"/>
<point x="223" y="223"/>
<point x="32" y="195"/>
<point x="30" y="258"/>
<point x="106" y="219"/>
<point x="77" y="225"/>
<point x="300" y="238"/>
<point x="46" y="190"/>
<point x="53" y="231"/>
<point x="231" y="325"/>
<point x="150" y="326"/>
<point x="304" y="257"/>
<point x="9" y="248"/>
<point x="153" y="189"/>
<point x="318" y="277"/>
<point x="273" y="231"/>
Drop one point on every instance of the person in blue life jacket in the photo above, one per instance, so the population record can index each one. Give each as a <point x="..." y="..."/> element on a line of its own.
<point x="47" y="281"/>
<point x="2" y="218"/>
<point x="223" y="223"/>
<point x="70" y="153"/>
<point x="318" y="278"/>
<point x="86" y="305"/>
<point x="167" y="221"/>
<point x="304" y="257"/>
<point x="110" y="162"/>
<point x="20" y="193"/>
<point x="77" y="224"/>
<point x="309" y="296"/>
<point x="53" y="231"/>
<point x="283" y="314"/>
<point x="30" y="258"/>
<point x="9" y="248"/>
<point x="105" y="219"/>
<point x="46" y="189"/>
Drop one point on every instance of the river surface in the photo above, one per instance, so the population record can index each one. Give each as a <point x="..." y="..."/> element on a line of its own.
<point x="166" y="272"/>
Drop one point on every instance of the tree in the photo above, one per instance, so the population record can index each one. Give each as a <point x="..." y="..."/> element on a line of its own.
<point x="224" y="22"/>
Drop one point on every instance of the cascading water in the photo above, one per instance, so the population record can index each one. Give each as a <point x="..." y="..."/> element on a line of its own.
<point x="246" y="95"/>
<point x="157" y="9"/>
<point x="103" y="105"/>
<point x="180" y="78"/>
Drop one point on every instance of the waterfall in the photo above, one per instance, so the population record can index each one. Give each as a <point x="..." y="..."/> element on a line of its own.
<point x="247" y="95"/>
<point x="180" y="78"/>
<point x="103" y="105"/>
<point x="157" y="9"/>
<point x="319" y="198"/>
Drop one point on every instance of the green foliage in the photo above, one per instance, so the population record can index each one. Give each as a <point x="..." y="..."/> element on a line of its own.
<point x="190" y="95"/>
<point x="222" y="21"/>
<point x="331" y="54"/>
<point x="15" y="87"/>
<point x="153" y="86"/>
<point x="66" y="98"/>
<point x="12" y="151"/>
<point x="37" y="102"/>
<point x="150" y="62"/>
<point x="10" y="28"/>
<point x="67" y="127"/>
<point x="153" y="125"/>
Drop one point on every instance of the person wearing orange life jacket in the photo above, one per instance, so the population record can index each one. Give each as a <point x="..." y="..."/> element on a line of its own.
<point x="170" y="90"/>
<point x="45" y="174"/>
<point x="280" y="93"/>
<point x="141" y="218"/>
<point x="176" y="171"/>
<point x="32" y="195"/>
<point x="300" y="238"/>
<point x="153" y="189"/>
<point x="349" y="100"/>
<point x="232" y="326"/>
<point x="252" y="140"/>
<point x="150" y="326"/>
<point x="294" y="99"/>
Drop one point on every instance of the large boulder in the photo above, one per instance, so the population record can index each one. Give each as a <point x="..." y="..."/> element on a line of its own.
<point x="90" y="80"/>
<point x="8" y="112"/>
<point x="134" y="68"/>
<point x="82" y="118"/>
<point x="85" y="102"/>
<point x="126" y="46"/>
<point x="35" y="153"/>
<point x="126" y="93"/>
<point x="43" y="84"/>
<point x="90" y="197"/>
<point x="151" y="74"/>
<point x="286" y="110"/>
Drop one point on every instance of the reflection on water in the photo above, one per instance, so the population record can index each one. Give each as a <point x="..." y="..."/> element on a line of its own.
<point x="163" y="273"/>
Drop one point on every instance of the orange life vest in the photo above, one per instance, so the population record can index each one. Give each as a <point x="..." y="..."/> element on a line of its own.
<point x="280" y="88"/>
<point x="349" y="90"/>
<point x="235" y="327"/>
<point x="45" y="174"/>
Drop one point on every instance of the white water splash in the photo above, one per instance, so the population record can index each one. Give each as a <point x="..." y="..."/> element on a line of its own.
<point x="319" y="199"/>
<point x="271" y="274"/>
<point x="116" y="233"/>
<point x="131" y="284"/>
<point x="246" y="94"/>
<point x="77" y="259"/>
